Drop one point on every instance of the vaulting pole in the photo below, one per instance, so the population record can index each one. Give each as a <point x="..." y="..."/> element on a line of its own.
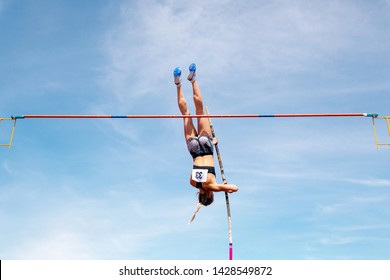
<point x="226" y="194"/>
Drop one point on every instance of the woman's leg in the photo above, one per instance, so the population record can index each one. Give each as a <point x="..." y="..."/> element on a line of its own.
<point x="189" y="129"/>
<point x="203" y="123"/>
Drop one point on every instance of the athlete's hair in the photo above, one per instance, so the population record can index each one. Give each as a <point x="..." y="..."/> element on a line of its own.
<point x="205" y="199"/>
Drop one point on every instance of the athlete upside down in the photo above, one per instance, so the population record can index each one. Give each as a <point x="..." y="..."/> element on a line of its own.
<point x="199" y="142"/>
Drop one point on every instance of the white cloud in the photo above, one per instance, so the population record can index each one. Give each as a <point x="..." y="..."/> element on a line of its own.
<point x="362" y="228"/>
<point x="2" y="5"/>
<point x="56" y="246"/>
<point x="370" y="182"/>
<point x="150" y="40"/>
<point x="7" y="168"/>
<point x="338" y="240"/>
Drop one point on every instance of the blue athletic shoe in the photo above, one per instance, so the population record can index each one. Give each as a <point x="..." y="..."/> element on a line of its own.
<point x="192" y="75"/>
<point x="177" y="76"/>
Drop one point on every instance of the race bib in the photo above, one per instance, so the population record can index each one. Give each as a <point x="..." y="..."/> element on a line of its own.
<point x="199" y="175"/>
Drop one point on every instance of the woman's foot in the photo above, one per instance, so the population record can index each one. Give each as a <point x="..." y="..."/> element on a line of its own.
<point x="192" y="74"/>
<point x="177" y="76"/>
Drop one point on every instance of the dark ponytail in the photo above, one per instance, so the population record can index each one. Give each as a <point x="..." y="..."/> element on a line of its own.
<point x="204" y="198"/>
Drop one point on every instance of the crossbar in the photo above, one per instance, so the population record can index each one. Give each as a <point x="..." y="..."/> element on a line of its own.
<point x="193" y="116"/>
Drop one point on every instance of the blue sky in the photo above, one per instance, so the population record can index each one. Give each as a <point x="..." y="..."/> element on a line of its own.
<point x="118" y="189"/>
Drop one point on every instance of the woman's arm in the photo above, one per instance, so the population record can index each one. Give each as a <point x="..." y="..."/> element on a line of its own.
<point x="215" y="187"/>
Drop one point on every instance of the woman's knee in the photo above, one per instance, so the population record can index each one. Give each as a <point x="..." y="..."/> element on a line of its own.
<point x="199" y="111"/>
<point x="183" y="107"/>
